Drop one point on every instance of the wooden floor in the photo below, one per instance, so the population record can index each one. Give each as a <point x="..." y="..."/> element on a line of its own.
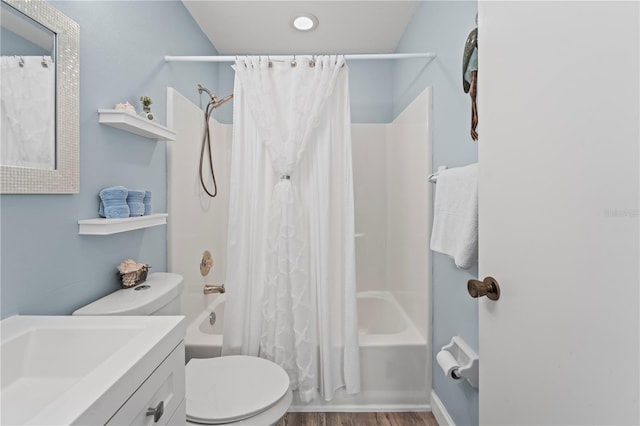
<point x="358" y="419"/>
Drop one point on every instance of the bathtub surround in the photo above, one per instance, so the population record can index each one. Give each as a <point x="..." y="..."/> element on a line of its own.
<point x="199" y="222"/>
<point x="291" y="256"/>
<point x="408" y="212"/>
<point x="393" y="213"/>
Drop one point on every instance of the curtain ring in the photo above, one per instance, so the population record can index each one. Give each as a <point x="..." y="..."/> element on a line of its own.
<point x="269" y="61"/>
<point x="293" y="62"/>
<point x="312" y="62"/>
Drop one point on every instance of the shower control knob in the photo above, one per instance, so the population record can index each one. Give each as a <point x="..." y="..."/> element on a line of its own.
<point x="488" y="287"/>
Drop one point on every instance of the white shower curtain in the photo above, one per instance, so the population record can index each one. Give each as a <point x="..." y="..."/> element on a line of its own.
<point x="291" y="257"/>
<point x="27" y="112"/>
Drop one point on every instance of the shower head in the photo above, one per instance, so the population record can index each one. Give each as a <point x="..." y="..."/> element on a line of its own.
<point x="214" y="99"/>
<point x="217" y="103"/>
<point x="207" y="91"/>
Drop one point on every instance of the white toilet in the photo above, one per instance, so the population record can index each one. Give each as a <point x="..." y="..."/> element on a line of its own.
<point x="234" y="390"/>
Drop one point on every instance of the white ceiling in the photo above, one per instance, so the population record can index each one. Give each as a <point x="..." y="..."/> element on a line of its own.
<point x="264" y="26"/>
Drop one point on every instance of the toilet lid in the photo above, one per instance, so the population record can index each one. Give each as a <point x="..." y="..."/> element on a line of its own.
<point x="231" y="388"/>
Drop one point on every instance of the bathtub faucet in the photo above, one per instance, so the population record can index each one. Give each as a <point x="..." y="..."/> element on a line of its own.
<point x="209" y="289"/>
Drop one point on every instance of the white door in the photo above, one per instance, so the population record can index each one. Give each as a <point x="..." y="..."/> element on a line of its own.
<point x="559" y="212"/>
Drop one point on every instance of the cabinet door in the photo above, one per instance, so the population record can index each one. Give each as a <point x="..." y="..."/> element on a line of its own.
<point x="162" y="391"/>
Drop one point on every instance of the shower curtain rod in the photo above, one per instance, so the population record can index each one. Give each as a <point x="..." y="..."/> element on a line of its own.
<point x="428" y="55"/>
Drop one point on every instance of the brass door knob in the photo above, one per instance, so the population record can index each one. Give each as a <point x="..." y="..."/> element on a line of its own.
<point x="488" y="287"/>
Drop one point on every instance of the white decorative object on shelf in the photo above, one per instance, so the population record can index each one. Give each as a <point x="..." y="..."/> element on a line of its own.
<point x="101" y="226"/>
<point x="135" y="124"/>
<point x="127" y="107"/>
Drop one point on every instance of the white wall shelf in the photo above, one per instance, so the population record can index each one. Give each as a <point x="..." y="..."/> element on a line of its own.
<point x="102" y="226"/>
<point x="135" y="124"/>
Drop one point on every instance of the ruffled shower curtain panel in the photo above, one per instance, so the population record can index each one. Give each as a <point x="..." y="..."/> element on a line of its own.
<point x="291" y="258"/>
<point x="27" y="105"/>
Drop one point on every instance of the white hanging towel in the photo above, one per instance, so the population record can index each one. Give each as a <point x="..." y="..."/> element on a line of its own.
<point x="455" y="218"/>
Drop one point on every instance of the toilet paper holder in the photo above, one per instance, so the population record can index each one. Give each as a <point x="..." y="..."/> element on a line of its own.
<point x="458" y="360"/>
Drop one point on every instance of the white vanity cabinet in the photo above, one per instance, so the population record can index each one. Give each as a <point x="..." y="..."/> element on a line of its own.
<point x="158" y="399"/>
<point x="92" y="370"/>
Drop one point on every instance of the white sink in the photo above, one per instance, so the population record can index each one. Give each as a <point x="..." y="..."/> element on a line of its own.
<point x="77" y="370"/>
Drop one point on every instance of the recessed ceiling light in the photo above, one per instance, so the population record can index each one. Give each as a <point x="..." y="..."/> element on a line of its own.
<point x="305" y="22"/>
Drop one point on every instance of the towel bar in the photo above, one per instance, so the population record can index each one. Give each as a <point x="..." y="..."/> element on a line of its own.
<point x="433" y="177"/>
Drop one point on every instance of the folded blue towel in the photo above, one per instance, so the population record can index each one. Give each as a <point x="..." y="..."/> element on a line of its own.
<point x="135" y="195"/>
<point x="147" y="202"/>
<point x="116" y="211"/>
<point x="135" y="201"/>
<point x="113" y="202"/>
<point x="136" y="209"/>
<point x="114" y="193"/>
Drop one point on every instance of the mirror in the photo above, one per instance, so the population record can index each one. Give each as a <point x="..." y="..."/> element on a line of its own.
<point x="27" y="84"/>
<point x="39" y="104"/>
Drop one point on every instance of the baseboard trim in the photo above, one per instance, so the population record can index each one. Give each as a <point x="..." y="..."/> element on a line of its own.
<point x="440" y="411"/>
<point x="359" y="408"/>
<point x="365" y="401"/>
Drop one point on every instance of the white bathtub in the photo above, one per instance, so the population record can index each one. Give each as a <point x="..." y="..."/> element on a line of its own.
<point x="203" y="339"/>
<point x="393" y="353"/>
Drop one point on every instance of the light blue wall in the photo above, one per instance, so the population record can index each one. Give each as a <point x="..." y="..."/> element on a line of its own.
<point x="46" y="267"/>
<point x="13" y="44"/>
<point x="442" y="27"/>
<point x="371" y="91"/>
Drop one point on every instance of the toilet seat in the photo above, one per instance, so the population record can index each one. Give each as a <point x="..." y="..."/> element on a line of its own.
<point x="231" y="388"/>
<point x="268" y="417"/>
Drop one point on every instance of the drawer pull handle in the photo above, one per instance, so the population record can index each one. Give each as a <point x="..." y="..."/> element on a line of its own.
<point x="156" y="412"/>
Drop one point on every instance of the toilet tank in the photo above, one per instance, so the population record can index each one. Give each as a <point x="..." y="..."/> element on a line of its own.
<point x="158" y="295"/>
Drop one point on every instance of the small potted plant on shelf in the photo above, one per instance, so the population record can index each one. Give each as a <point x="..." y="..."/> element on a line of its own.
<point x="146" y="106"/>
